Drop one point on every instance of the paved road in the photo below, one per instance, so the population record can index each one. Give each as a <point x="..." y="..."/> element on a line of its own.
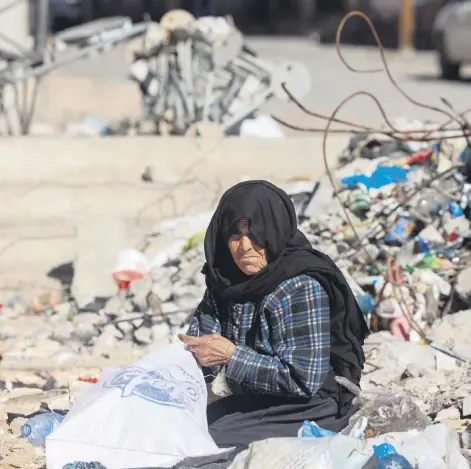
<point x="331" y="81"/>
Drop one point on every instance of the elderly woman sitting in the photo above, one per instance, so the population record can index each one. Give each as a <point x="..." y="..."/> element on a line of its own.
<point x="279" y="317"/>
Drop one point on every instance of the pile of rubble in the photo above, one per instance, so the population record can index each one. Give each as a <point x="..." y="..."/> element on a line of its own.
<point x="403" y="249"/>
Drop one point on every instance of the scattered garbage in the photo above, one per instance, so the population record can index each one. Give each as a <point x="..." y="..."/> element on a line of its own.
<point x="404" y="251"/>
<point x="435" y="447"/>
<point x="397" y="223"/>
<point x="312" y="430"/>
<point x="404" y="246"/>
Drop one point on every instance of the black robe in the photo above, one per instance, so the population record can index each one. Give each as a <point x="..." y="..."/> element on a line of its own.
<point x="240" y="420"/>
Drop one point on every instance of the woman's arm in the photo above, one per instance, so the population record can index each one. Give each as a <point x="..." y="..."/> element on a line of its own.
<point x="300" y="324"/>
<point x="205" y="322"/>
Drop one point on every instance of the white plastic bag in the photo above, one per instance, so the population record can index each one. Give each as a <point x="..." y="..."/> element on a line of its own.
<point x="131" y="264"/>
<point x="434" y="448"/>
<point x="261" y="126"/>
<point x="151" y="413"/>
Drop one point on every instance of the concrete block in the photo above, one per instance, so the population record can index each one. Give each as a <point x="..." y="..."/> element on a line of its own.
<point x="100" y="237"/>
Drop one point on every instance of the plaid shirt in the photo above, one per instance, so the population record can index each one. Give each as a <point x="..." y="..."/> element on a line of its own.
<point x="289" y="337"/>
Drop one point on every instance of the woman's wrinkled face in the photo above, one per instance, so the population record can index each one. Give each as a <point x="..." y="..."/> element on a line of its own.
<point x="248" y="256"/>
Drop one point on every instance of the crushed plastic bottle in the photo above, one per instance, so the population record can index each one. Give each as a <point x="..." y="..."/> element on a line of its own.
<point x="40" y="426"/>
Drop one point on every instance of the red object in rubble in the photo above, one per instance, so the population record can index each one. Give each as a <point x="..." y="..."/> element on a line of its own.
<point x="124" y="278"/>
<point x="88" y="380"/>
<point x="400" y="328"/>
<point x="420" y="158"/>
<point x="453" y="237"/>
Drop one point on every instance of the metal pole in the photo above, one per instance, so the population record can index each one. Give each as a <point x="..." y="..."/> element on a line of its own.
<point x="42" y="27"/>
<point x="406" y="26"/>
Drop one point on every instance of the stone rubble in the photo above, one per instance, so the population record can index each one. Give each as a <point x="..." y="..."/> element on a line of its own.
<point x="55" y="345"/>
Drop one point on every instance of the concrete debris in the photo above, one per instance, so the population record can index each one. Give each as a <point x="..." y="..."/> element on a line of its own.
<point x="408" y="272"/>
<point x="453" y="330"/>
<point x="463" y="285"/>
<point x="466" y="411"/>
<point x="452" y="413"/>
<point x="100" y="238"/>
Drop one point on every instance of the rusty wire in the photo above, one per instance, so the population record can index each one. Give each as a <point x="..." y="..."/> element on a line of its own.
<point x="363" y="128"/>
<point x="388" y="278"/>
<point x="384" y="61"/>
<point x="394" y="273"/>
<point x="395" y="133"/>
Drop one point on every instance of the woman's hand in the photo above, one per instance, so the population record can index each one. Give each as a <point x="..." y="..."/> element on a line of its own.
<point x="209" y="350"/>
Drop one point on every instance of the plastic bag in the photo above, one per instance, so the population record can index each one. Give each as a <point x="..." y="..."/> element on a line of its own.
<point x="262" y="127"/>
<point x="312" y="430"/>
<point x="131" y="265"/>
<point x="434" y="448"/>
<point x="437" y="447"/>
<point x="151" y="413"/>
<point x="389" y="413"/>
<point x="331" y="452"/>
<point x="388" y="458"/>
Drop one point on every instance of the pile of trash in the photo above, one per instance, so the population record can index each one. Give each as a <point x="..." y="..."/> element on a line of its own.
<point x="399" y="228"/>
<point x="102" y="428"/>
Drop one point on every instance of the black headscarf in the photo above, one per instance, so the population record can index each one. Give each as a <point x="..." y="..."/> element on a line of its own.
<point x="273" y="226"/>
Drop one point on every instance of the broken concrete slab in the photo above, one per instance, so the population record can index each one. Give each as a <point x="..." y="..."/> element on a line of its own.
<point x="463" y="285"/>
<point x="466" y="409"/>
<point x="393" y="358"/>
<point x="438" y="391"/>
<point x="455" y="330"/>
<point x="451" y="413"/>
<point x="100" y="237"/>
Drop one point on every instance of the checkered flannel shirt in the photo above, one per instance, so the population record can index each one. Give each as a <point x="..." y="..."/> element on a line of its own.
<point x="291" y="345"/>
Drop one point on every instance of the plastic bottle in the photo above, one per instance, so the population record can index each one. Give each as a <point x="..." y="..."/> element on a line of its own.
<point x="366" y="303"/>
<point x="430" y="205"/>
<point x="40" y="426"/>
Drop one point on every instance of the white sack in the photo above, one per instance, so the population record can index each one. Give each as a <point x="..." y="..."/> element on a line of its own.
<point x="151" y="413"/>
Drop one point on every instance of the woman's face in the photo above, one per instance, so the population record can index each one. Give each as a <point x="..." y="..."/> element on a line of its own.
<point x="248" y="256"/>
